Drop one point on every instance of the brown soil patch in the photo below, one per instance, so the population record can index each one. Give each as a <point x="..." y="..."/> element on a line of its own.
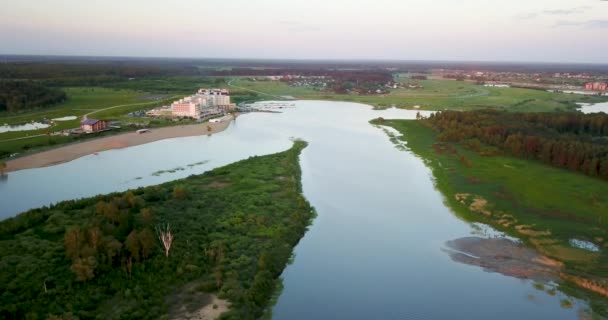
<point x="503" y="256"/>
<point x="541" y="242"/>
<point x="599" y="286"/>
<point x="461" y="197"/>
<point x="192" y="304"/>
<point x="527" y="231"/>
<point x="507" y="223"/>
<point x="479" y="205"/>
<point x="548" y="262"/>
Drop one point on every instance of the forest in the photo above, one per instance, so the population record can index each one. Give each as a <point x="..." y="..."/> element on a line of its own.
<point x="229" y="231"/>
<point x="572" y="141"/>
<point x="17" y="96"/>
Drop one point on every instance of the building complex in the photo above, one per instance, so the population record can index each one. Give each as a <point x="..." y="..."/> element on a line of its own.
<point x="203" y="104"/>
<point x="596" y="86"/>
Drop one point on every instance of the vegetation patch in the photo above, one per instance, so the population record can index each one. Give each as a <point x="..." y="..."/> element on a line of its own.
<point x="129" y="255"/>
<point x="544" y="206"/>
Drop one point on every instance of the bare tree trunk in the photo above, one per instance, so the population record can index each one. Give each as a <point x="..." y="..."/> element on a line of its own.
<point x="166" y="237"/>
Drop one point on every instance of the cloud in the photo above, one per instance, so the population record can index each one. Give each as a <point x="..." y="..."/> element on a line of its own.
<point x="553" y="12"/>
<point x="564" y="12"/>
<point x="591" y="24"/>
<point x="527" y="16"/>
<point x="297" y="26"/>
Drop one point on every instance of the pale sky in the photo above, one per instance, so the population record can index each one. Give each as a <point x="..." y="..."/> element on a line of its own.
<point x="479" y="30"/>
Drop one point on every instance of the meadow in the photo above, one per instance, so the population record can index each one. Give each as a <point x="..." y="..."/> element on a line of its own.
<point x="115" y="99"/>
<point x="97" y="102"/>
<point x="435" y="95"/>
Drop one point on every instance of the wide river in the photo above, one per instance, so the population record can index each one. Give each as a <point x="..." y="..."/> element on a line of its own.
<point x="375" y="249"/>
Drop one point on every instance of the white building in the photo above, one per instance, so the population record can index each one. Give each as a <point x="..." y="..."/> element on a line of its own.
<point x="205" y="103"/>
<point x="219" y="98"/>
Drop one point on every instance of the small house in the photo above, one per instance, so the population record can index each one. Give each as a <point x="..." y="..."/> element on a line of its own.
<point x="93" y="125"/>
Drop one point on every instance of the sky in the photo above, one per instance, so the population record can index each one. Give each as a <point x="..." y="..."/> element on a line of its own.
<point x="458" y="30"/>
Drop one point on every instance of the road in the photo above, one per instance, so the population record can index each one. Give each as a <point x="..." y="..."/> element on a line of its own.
<point x="84" y="117"/>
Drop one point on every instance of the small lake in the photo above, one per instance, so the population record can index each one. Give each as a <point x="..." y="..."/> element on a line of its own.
<point x="375" y="249"/>
<point x="24" y="127"/>
<point x="593" y="107"/>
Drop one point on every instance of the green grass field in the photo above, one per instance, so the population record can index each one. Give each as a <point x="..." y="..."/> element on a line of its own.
<point x="567" y="204"/>
<point x="81" y="101"/>
<point x="436" y="95"/>
<point x="542" y="205"/>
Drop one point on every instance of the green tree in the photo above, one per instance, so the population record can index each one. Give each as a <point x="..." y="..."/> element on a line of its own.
<point x="147" y="241"/>
<point x="179" y="193"/>
<point x="72" y="242"/>
<point x="84" y="268"/>
<point x="133" y="245"/>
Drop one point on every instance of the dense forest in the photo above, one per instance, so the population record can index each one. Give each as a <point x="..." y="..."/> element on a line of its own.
<point x="229" y="231"/>
<point x="22" y="95"/>
<point x="573" y="141"/>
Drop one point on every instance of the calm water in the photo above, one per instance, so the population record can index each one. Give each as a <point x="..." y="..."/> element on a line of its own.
<point x="593" y="108"/>
<point x="374" y="252"/>
<point x="23" y="127"/>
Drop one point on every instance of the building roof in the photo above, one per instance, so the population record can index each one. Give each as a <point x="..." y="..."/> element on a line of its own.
<point x="89" y="122"/>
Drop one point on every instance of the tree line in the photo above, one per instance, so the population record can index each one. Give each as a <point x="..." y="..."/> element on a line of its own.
<point x="23" y="95"/>
<point x="572" y="141"/>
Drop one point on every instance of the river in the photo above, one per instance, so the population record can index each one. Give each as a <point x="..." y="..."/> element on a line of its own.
<point x="375" y="249"/>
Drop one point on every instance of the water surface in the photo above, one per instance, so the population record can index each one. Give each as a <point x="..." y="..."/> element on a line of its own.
<point x="375" y="250"/>
<point x="594" y="107"/>
<point x="23" y="127"/>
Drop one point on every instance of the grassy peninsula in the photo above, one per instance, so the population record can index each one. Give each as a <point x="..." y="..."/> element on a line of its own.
<point x="546" y="207"/>
<point x="233" y="231"/>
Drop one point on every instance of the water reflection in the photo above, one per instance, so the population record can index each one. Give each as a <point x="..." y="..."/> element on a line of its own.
<point x="374" y="252"/>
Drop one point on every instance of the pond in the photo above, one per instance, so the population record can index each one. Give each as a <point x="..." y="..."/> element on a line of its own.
<point x="23" y="127"/>
<point x="594" y="107"/>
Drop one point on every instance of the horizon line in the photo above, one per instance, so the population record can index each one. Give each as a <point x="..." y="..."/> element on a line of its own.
<point x="345" y="60"/>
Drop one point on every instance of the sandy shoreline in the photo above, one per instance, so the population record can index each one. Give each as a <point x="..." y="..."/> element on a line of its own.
<point x="81" y="149"/>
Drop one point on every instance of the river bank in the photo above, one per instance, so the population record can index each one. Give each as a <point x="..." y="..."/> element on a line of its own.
<point x="81" y="149"/>
<point x="524" y="199"/>
<point x="356" y="261"/>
